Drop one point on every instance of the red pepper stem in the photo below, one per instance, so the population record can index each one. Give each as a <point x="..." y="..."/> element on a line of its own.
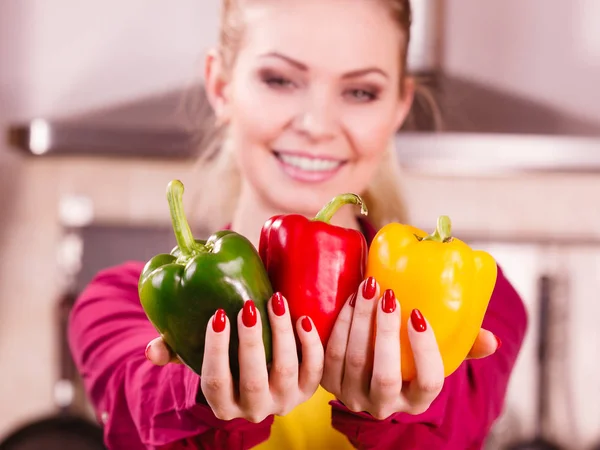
<point x="185" y="239"/>
<point x="443" y="231"/>
<point x="328" y="211"/>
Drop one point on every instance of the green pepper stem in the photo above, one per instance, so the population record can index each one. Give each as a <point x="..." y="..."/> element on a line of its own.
<point x="183" y="234"/>
<point x="328" y="211"/>
<point x="443" y="231"/>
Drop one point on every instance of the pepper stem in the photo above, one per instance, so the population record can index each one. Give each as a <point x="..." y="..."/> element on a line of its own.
<point x="443" y="231"/>
<point x="328" y="211"/>
<point x="183" y="234"/>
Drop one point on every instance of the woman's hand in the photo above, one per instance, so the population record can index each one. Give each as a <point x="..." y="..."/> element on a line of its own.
<point x="260" y="392"/>
<point x="486" y="344"/>
<point x="159" y="353"/>
<point x="367" y="377"/>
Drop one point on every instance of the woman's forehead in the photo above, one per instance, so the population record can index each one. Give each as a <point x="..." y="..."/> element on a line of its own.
<point x="328" y="33"/>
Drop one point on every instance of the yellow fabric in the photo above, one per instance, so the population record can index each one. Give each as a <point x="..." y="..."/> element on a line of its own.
<point x="308" y="426"/>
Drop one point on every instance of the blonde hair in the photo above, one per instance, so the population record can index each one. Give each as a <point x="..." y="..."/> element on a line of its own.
<point x="218" y="169"/>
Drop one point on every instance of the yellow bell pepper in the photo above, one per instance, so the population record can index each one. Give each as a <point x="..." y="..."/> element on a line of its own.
<point x="440" y="275"/>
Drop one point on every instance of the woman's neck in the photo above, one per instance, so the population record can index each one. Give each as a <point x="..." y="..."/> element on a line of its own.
<point x="252" y="212"/>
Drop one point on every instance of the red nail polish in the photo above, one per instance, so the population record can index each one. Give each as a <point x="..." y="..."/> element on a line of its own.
<point x="306" y="324"/>
<point x="278" y="305"/>
<point x="369" y="288"/>
<point x="418" y="321"/>
<point x="499" y="342"/>
<point x="218" y="322"/>
<point x="249" y="314"/>
<point x="388" y="304"/>
<point x="353" y="300"/>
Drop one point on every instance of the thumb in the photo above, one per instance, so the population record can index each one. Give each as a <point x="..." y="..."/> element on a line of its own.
<point x="159" y="353"/>
<point x="485" y="345"/>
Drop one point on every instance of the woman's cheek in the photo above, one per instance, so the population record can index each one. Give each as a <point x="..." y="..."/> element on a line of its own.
<point x="370" y="135"/>
<point x="264" y="114"/>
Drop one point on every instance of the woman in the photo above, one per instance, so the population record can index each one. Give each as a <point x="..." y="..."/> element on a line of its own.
<point x="307" y="95"/>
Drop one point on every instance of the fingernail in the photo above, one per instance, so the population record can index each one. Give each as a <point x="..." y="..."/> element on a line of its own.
<point x="499" y="342"/>
<point x="369" y="288"/>
<point x="218" y="322"/>
<point x="306" y="324"/>
<point x="418" y="321"/>
<point x="147" y="351"/>
<point x="278" y="305"/>
<point x="388" y="304"/>
<point x="249" y="314"/>
<point x="353" y="300"/>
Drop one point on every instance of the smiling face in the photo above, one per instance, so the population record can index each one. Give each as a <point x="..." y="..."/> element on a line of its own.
<point x="312" y="99"/>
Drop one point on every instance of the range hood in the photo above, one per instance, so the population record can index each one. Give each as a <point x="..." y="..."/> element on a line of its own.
<point x="158" y="126"/>
<point x="464" y="105"/>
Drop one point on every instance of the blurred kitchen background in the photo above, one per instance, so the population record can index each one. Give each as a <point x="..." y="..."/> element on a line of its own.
<point x="93" y="130"/>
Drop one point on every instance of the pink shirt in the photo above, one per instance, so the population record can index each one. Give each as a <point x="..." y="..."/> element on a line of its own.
<point x="142" y="406"/>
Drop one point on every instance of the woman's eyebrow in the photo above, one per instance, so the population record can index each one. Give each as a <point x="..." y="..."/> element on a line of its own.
<point x="301" y="66"/>
<point x="291" y="61"/>
<point x="368" y="70"/>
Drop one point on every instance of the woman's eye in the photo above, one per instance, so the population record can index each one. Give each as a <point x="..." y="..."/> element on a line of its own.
<point x="278" y="82"/>
<point x="362" y="95"/>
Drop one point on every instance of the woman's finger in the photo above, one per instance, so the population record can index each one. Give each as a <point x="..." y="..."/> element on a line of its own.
<point x="335" y="354"/>
<point x="284" y="368"/>
<point x="254" y="377"/>
<point x="428" y="363"/>
<point x="485" y="345"/>
<point x="311" y="368"/>
<point x="159" y="353"/>
<point x="359" y="355"/>
<point x="386" y="381"/>
<point x="216" y="381"/>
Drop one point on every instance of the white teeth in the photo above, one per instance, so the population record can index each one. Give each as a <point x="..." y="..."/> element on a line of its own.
<point x="310" y="164"/>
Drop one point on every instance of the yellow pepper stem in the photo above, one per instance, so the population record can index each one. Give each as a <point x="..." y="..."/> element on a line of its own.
<point x="443" y="231"/>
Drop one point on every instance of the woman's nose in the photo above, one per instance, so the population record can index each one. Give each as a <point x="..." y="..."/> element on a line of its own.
<point x="318" y="119"/>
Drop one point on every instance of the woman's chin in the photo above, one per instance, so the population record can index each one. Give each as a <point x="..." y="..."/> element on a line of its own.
<point x="304" y="199"/>
<point x="305" y="192"/>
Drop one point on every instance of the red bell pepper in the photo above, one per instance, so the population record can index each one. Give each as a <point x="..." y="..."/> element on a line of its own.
<point x="317" y="266"/>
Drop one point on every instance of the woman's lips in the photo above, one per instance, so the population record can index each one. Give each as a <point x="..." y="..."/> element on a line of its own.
<point x="303" y="167"/>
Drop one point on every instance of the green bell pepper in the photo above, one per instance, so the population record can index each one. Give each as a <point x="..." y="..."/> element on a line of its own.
<point x="180" y="291"/>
